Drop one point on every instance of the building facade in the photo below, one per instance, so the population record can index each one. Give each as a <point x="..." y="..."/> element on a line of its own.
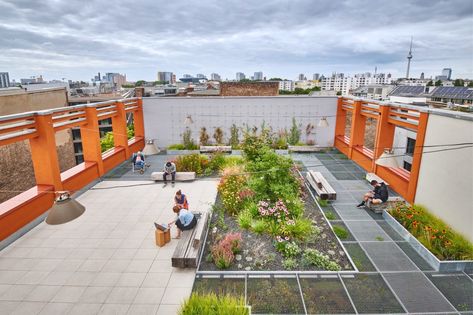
<point x="286" y="85"/>
<point x="215" y="77"/>
<point x="4" y="80"/>
<point x="344" y="84"/>
<point x="240" y="76"/>
<point x="258" y="76"/>
<point x="165" y="76"/>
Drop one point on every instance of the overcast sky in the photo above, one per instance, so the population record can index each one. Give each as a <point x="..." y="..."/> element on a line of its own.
<point x="74" y="39"/>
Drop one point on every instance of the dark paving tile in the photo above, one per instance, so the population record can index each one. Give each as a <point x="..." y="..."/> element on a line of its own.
<point x="367" y="231"/>
<point x="371" y="295"/>
<point x="358" y="255"/>
<point x="417" y="293"/>
<point x="388" y="257"/>
<point x="420" y="262"/>
<point x="389" y="230"/>
<point x="457" y="288"/>
<point x="341" y="230"/>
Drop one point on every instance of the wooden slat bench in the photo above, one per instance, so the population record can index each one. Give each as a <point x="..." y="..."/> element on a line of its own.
<point x="215" y="148"/>
<point x="372" y="176"/>
<point x="186" y="254"/>
<point x="379" y="208"/>
<point x="180" y="176"/>
<point x="321" y="186"/>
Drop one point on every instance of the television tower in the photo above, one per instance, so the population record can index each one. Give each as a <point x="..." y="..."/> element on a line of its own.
<point x="409" y="57"/>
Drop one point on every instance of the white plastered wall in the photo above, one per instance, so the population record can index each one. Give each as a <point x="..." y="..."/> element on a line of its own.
<point x="165" y="116"/>
<point x="445" y="183"/>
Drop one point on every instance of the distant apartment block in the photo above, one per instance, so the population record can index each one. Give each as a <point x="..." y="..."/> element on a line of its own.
<point x="302" y="77"/>
<point x="240" y="76"/>
<point x="116" y="79"/>
<point x="201" y="76"/>
<point x="4" y="80"/>
<point x="258" y="76"/>
<point x="344" y="84"/>
<point x="373" y="91"/>
<point x="286" y="85"/>
<point x="215" y="77"/>
<point x="316" y="76"/>
<point x="165" y="76"/>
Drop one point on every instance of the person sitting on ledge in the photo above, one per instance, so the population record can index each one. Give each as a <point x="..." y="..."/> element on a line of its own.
<point x="181" y="200"/>
<point x="377" y="196"/>
<point x="169" y="169"/>
<point x="185" y="220"/>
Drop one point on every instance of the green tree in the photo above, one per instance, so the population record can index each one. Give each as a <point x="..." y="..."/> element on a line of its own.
<point x="438" y="83"/>
<point x="430" y="83"/>
<point x="245" y="80"/>
<point x="234" y="136"/>
<point x="160" y="82"/>
<point x="294" y="133"/>
<point x="458" y="82"/>
<point x="470" y="84"/>
<point x="140" y="83"/>
<point x="275" y="79"/>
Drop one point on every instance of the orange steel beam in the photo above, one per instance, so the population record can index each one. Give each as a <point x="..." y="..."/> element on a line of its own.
<point x="384" y="134"/>
<point x="90" y="135"/>
<point x="358" y="124"/>
<point x="120" y="137"/>
<point x="44" y="154"/>
<point x="139" y="120"/>
<point x="340" y="120"/>
<point x="417" y="156"/>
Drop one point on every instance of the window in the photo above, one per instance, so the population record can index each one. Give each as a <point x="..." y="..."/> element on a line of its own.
<point x="410" y="146"/>
<point x="407" y="166"/>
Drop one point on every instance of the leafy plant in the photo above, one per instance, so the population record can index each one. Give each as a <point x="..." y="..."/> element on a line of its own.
<point x="291" y="250"/>
<point x="258" y="226"/>
<point x="203" y="136"/>
<point x="245" y="219"/>
<point x="234" y="137"/>
<point x="330" y="216"/>
<point x="290" y="263"/>
<point x="308" y="132"/>
<point x="218" y="135"/>
<point x="217" y="161"/>
<point x="192" y="163"/>
<point x="340" y="231"/>
<point x="315" y="258"/>
<point x="294" y="133"/>
<point x="211" y="304"/>
<point x="301" y="228"/>
<point x="230" y="184"/>
<point x="322" y="202"/>
<point x="379" y="238"/>
<point x="432" y="232"/>
<point x="176" y="146"/>
<point x="187" y="140"/>
<point x="223" y="253"/>
<point x="280" y="141"/>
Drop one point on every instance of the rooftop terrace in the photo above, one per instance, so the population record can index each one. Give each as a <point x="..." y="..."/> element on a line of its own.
<point x="107" y="262"/>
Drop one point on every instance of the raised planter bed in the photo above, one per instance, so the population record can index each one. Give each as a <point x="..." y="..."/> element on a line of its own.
<point x="215" y="148"/>
<point x="432" y="260"/>
<point x="182" y="152"/>
<point x="281" y="151"/>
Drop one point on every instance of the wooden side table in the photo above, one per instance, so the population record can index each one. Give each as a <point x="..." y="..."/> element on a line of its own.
<point x="162" y="237"/>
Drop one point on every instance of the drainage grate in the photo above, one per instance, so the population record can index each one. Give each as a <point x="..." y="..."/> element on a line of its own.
<point x="371" y="294"/>
<point x="457" y="288"/>
<point x="274" y="296"/>
<point x="416" y="293"/>
<point x="390" y="231"/>
<point x="414" y="256"/>
<point x="359" y="257"/>
<point x="367" y="231"/>
<point x="325" y="296"/>
<point x="388" y="257"/>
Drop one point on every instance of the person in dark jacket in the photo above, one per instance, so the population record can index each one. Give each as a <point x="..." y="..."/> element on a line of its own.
<point x="379" y="194"/>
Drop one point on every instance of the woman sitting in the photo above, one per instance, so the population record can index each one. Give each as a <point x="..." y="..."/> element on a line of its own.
<point x="180" y="200"/>
<point x="185" y="220"/>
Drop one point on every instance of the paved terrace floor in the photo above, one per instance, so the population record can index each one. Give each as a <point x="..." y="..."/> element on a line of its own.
<point x="106" y="261"/>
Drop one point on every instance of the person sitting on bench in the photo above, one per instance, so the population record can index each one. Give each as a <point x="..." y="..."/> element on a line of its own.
<point x="378" y="195"/>
<point x="181" y="200"/>
<point x="169" y="169"/>
<point x="185" y="220"/>
<point x="139" y="160"/>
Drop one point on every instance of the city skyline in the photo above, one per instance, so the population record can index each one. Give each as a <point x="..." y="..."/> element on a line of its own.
<point x="279" y="38"/>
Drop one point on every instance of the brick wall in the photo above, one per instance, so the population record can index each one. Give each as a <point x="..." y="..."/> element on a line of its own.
<point x="249" y="88"/>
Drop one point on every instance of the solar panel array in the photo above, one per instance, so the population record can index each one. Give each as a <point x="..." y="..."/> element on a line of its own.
<point x="405" y="90"/>
<point x="455" y="92"/>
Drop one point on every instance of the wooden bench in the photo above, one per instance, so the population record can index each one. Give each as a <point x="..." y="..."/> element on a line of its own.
<point x="186" y="254"/>
<point x="321" y="186"/>
<point x="180" y="176"/>
<point x="215" y="148"/>
<point x="305" y="148"/>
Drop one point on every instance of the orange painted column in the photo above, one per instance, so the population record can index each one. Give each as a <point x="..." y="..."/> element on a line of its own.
<point x="384" y="134"/>
<point x="138" y="119"/>
<point x="90" y="135"/>
<point x="357" y="132"/>
<point x="120" y="137"/>
<point x="340" y="121"/>
<point x="417" y="156"/>
<point x="44" y="154"/>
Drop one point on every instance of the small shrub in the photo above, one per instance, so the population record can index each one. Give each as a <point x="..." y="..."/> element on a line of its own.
<point x="177" y="146"/>
<point x="245" y="219"/>
<point x="290" y="264"/>
<point x="211" y="304"/>
<point x="315" y="258"/>
<point x="322" y="202"/>
<point x="187" y="140"/>
<point x="340" y="231"/>
<point x="234" y="137"/>
<point x="291" y="250"/>
<point x="217" y="161"/>
<point x="313" y="236"/>
<point x="218" y="135"/>
<point x="192" y="163"/>
<point x="294" y="133"/>
<point x="301" y="228"/>
<point x="330" y="216"/>
<point x="230" y="184"/>
<point x="203" y="136"/>
<point x="223" y="253"/>
<point x="258" y="226"/>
